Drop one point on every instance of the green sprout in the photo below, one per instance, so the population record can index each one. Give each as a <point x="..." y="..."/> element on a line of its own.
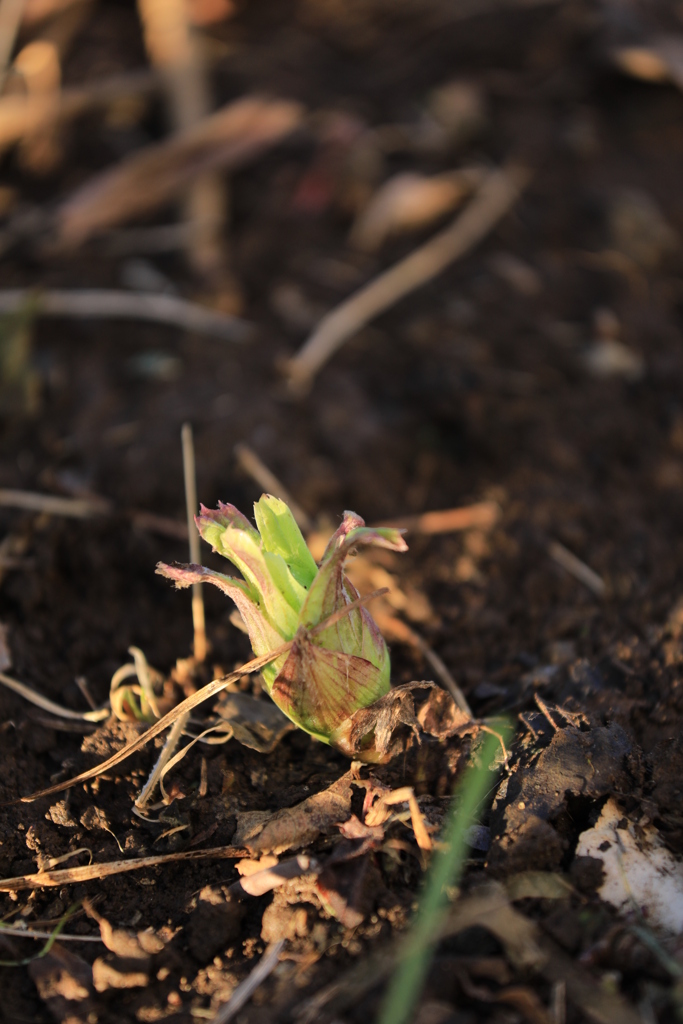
<point x="327" y="675"/>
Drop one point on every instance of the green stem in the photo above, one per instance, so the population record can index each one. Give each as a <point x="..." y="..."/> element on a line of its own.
<point x="405" y="986"/>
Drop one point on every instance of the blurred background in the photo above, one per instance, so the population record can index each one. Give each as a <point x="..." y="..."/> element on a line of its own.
<point x="189" y="187"/>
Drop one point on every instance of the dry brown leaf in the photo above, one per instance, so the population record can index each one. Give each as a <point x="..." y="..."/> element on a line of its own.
<point x="146" y="180"/>
<point x="490" y="908"/>
<point x="258" y="724"/>
<point x="298" y="826"/>
<point x="439" y="716"/>
<point x="381" y="719"/>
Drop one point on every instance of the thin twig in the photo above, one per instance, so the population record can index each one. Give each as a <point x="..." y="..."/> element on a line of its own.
<point x="576" y="568"/>
<point x="52" y="505"/>
<point x="98" y="715"/>
<point x="191" y="506"/>
<point x="496" y="195"/>
<point x="166" y="754"/>
<point x="174" y="50"/>
<point x="70" y="876"/>
<point x="85" y="508"/>
<point x="245" y="991"/>
<point x="198" y="619"/>
<point x="148" y="178"/>
<point x="110" y="304"/>
<point x="82" y="684"/>
<point x="252" y="464"/>
<point x="163" y="525"/>
<point x="481" y="516"/>
<point x="29" y="933"/>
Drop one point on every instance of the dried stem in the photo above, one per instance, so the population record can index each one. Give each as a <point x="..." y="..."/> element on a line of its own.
<point x="173" y="49"/>
<point x="147" y="179"/>
<point x="96" y="715"/>
<point x="110" y="304"/>
<point x="497" y="194"/>
<point x="191" y="505"/>
<point x="576" y="568"/>
<point x="69" y="876"/>
<point x="54" y="505"/>
<point x="168" y="749"/>
<point x="481" y="516"/>
<point x="198" y="617"/>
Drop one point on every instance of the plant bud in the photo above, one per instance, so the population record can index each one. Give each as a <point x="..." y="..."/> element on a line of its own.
<point x="327" y="675"/>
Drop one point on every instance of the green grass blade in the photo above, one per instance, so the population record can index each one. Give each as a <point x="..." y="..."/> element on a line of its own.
<point x="59" y="927"/>
<point x="406" y="984"/>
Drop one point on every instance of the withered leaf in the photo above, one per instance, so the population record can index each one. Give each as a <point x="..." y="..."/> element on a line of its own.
<point x="228" y="138"/>
<point x="298" y="826"/>
<point x="258" y="724"/>
<point x="368" y="733"/>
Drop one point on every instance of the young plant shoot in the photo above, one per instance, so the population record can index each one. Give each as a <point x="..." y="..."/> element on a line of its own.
<point x="325" y="677"/>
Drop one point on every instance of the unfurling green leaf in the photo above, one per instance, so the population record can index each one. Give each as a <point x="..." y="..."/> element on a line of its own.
<point x="328" y="673"/>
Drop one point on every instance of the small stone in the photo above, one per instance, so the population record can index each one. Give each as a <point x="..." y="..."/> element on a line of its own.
<point x="60" y="814"/>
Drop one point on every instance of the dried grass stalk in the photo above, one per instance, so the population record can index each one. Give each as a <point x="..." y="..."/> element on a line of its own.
<point x="143" y="182"/>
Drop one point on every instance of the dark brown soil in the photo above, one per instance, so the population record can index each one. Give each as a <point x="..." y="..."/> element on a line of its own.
<point x="470" y="389"/>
